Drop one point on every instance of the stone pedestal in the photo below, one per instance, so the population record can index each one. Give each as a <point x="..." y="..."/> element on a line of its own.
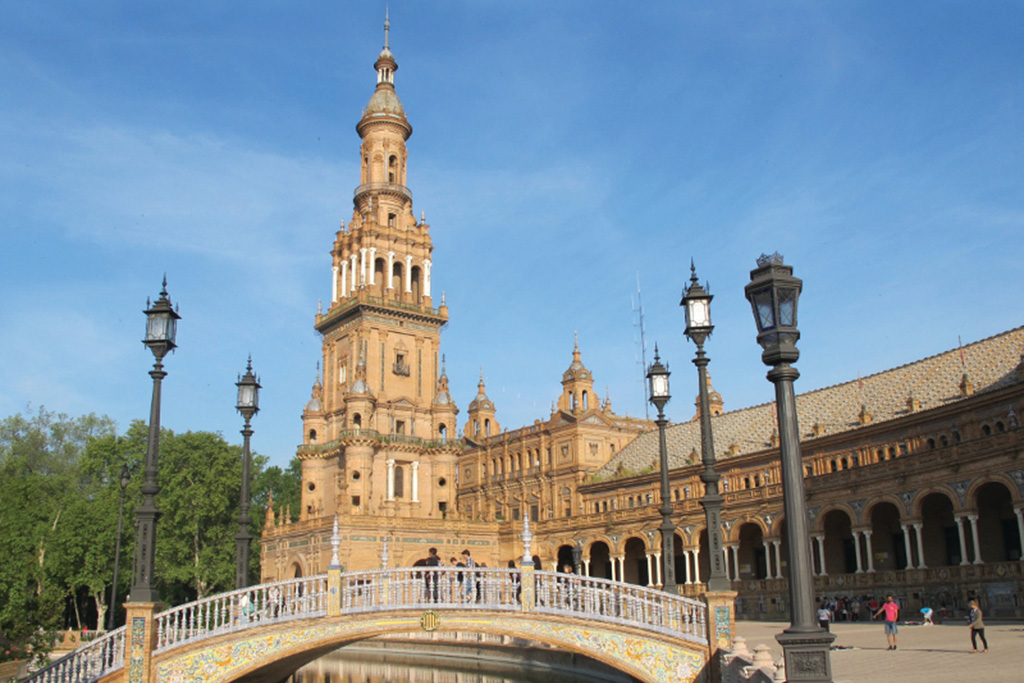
<point x="140" y="641"/>
<point x="807" y="655"/>
<point x="721" y="626"/>
<point x="333" y="590"/>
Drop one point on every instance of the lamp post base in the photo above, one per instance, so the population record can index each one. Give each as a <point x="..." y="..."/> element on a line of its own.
<point x="807" y="655"/>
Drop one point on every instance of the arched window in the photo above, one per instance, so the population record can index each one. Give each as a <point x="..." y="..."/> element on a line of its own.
<point x="986" y="430"/>
<point x="357" y="420"/>
<point x="392" y="169"/>
<point x="586" y="401"/>
<point x="442" y="431"/>
<point x="312" y="436"/>
<point x="476" y="427"/>
<point x="396" y="276"/>
<point x="487" y="427"/>
<point x="931" y="444"/>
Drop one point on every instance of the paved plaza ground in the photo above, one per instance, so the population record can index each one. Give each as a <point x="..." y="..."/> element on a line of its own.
<point x="925" y="654"/>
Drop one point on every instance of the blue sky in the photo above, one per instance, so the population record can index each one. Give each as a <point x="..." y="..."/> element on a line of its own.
<point x="561" y="151"/>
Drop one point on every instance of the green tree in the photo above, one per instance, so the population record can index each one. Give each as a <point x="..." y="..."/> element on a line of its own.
<point x="40" y="486"/>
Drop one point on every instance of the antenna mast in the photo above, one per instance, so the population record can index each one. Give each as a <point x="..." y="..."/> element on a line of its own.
<point x="638" y="308"/>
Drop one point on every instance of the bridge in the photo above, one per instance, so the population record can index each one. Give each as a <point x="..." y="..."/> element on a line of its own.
<point x="266" y="632"/>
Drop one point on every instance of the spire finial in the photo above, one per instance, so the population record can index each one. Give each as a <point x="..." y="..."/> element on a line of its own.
<point x="335" y="542"/>
<point x="693" y="272"/>
<point x="387" y="26"/>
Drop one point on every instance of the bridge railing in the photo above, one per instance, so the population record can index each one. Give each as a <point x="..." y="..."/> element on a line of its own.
<point x="87" y="663"/>
<point x="426" y="587"/>
<point x="240" y="609"/>
<point x="621" y="603"/>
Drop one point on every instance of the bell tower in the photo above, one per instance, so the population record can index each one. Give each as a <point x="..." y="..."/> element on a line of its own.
<point x="380" y="415"/>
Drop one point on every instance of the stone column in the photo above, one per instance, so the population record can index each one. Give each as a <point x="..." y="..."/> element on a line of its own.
<point x="963" y="540"/>
<point x="870" y="551"/>
<point x="391" y="268"/>
<point x="688" y="575"/>
<point x="920" y="547"/>
<point x="408" y="274"/>
<point x="140" y="641"/>
<point x="586" y="567"/>
<point x="856" y="548"/>
<point x="821" y="553"/>
<point x="650" y="575"/>
<point x="906" y="546"/>
<point x="974" y="536"/>
<point x="1020" y="528"/>
<point x="373" y="265"/>
<point x="353" y="259"/>
<point x="725" y="561"/>
<point x="721" y="627"/>
<point x="778" y="559"/>
<point x="426" y="277"/>
<point x="767" y="558"/>
<point x="736" y="562"/>
<point x="622" y="567"/>
<point x="334" y="284"/>
<point x="343" y="290"/>
<point x="416" y="481"/>
<point x="391" y="479"/>
<point x="362" y="267"/>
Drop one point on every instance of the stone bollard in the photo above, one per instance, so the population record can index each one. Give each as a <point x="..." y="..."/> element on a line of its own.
<point x="739" y="646"/>
<point x="763" y="657"/>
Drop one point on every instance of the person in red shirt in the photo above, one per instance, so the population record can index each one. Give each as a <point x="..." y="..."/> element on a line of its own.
<point x="892" y="613"/>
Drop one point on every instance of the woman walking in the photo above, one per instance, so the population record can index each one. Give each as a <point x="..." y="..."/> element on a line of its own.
<point x="977" y="627"/>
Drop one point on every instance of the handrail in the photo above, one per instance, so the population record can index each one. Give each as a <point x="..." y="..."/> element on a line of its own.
<point x="87" y="663"/>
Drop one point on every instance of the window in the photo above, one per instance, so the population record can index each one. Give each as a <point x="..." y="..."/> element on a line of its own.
<point x="399" y="482"/>
<point x="399" y="426"/>
<point x="312" y="436"/>
<point x="355" y="501"/>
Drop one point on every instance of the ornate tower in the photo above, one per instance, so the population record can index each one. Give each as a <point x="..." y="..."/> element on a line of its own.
<point x="577" y="386"/>
<point x="379" y="435"/>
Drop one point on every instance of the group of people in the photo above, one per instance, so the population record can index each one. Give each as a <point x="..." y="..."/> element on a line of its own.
<point x="467" y="581"/>
<point x="890" y="611"/>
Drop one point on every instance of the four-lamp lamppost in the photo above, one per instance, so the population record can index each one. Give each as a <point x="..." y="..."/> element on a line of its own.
<point x="248" y="405"/>
<point x="773" y="293"/>
<point x="657" y="377"/>
<point x="126" y="477"/>
<point x="161" y="326"/>
<point x="697" y="303"/>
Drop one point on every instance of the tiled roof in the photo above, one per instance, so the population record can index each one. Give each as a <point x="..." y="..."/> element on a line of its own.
<point x="990" y="364"/>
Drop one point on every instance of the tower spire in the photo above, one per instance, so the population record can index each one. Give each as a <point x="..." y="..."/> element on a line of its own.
<point x="387" y="26"/>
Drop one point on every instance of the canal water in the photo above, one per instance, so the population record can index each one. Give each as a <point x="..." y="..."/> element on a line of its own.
<point x="412" y="662"/>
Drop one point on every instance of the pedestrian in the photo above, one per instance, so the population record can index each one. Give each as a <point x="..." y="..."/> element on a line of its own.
<point x="926" y="614"/>
<point x="468" y="583"/>
<point x="977" y="627"/>
<point x="824" y="616"/>
<point x="431" y="576"/>
<point x="891" y="610"/>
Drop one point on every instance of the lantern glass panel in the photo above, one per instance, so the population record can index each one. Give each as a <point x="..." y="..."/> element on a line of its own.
<point x="659" y="385"/>
<point x="764" y="309"/>
<point x="247" y="395"/>
<point x="698" y="313"/>
<point x="159" y="326"/>
<point x="787" y="307"/>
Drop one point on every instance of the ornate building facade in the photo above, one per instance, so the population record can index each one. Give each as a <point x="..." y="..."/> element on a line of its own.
<point x="914" y="476"/>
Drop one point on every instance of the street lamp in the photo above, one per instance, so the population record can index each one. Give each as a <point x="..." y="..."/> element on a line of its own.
<point x="657" y="377"/>
<point x="248" y="405"/>
<point x="697" y="303"/>
<point x="773" y="293"/>
<point x="161" y="326"/>
<point x="126" y="477"/>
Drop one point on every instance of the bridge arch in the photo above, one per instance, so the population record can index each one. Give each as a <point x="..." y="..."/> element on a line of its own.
<point x="283" y="648"/>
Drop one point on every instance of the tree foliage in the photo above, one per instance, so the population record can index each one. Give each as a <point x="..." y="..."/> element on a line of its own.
<point x="60" y="491"/>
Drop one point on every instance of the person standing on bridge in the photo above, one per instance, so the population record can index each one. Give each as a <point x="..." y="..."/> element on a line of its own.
<point x="431" y="576"/>
<point x="469" y="582"/>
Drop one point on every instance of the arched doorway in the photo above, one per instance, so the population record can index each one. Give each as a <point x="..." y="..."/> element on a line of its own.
<point x="635" y="566"/>
<point x="887" y="546"/>
<point x="840" y="555"/>
<point x="753" y="561"/>
<point x="565" y="558"/>
<point x="600" y="560"/>
<point x="939" y="535"/>
<point x="998" y="530"/>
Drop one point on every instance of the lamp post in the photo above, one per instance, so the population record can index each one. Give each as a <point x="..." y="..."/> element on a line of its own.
<point x="161" y="326"/>
<point x="773" y="293"/>
<point x="124" y="481"/>
<point x="248" y="405"/>
<point x="657" y="377"/>
<point x="697" y="304"/>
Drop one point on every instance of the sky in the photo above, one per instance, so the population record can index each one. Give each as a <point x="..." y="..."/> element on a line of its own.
<point x="566" y="155"/>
